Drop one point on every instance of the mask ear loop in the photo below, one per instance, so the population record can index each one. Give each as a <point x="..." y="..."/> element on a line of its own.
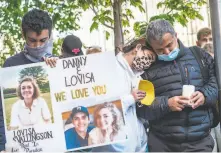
<point x="139" y="49"/>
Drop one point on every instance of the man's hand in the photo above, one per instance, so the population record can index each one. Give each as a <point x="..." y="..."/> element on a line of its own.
<point x="52" y="61"/>
<point x="198" y="99"/>
<point x="138" y="94"/>
<point x="177" y="103"/>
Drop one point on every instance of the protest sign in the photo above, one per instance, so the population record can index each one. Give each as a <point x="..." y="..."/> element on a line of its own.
<point x="64" y="108"/>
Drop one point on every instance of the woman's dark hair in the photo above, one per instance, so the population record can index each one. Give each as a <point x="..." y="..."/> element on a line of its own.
<point x="36" y="20"/>
<point x="128" y="48"/>
<point x="131" y="46"/>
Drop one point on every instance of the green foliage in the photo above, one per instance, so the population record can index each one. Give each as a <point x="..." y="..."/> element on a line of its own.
<point x="39" y="74"/>
<point x="103" y="11"/>
<point x="181" y="11"/>
<point x="9" y="90"/>
<point x="65" y="15"/>
<point x="140" y="28"/>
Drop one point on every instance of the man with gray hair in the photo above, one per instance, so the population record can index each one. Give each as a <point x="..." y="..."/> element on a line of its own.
<point x="178" y="123"/>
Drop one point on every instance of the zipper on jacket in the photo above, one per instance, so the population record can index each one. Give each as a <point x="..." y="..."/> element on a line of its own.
<point x="187" y="75"/>
<point x="181" y="72"/>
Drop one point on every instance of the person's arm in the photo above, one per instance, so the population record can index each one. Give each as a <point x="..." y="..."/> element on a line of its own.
<point x="2" y="127"/>
<point x="45" y="111"/>
<point x="155" y="111"/>
<point x="127" y="100"/>
<point x="210" y="89"/>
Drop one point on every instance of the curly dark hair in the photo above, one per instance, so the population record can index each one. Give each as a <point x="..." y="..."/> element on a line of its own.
<point x="36" y="20"/>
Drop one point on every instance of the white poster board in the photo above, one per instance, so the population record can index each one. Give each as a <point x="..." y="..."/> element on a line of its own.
<point x="78" y="101"/>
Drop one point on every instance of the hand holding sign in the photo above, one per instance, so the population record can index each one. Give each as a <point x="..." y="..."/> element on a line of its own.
<point x="147" y="87"/>
<point x="138" y="95"/>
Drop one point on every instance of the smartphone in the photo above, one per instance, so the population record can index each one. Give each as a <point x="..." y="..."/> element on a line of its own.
<point x="188" y="90"/>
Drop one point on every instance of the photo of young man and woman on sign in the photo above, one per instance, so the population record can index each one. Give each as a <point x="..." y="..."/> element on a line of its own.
<point x="95" y="125"/>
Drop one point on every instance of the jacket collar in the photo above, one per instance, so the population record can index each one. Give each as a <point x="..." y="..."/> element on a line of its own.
<point x="182" y="49"/>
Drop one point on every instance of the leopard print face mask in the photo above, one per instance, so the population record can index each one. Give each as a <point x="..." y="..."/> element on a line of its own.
<point x="143" y="62"/>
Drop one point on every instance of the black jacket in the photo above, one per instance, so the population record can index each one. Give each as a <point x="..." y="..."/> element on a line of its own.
<point x="18" y="59"/>
<point x="168" y="79"/>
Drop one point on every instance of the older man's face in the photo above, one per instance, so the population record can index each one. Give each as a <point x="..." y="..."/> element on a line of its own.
<point x="166" y="45"/>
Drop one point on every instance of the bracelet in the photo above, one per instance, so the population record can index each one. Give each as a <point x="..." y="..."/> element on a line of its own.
<point x="139" y="104"/>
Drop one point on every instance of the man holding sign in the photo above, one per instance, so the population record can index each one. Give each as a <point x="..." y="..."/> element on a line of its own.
<point x="37" y="31"/>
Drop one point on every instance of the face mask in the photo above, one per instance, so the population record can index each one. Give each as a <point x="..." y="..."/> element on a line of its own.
<point x="143" y="62"/>
<point x="36" y="54"/>
<point x="172" y="55"/>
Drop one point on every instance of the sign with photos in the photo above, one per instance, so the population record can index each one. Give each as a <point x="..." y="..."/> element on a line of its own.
<point x="73" y="106"/>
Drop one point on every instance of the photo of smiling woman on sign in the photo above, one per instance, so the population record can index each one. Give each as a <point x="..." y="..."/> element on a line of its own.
<point x="109" y="125"/>
<point x="30" y="109"/>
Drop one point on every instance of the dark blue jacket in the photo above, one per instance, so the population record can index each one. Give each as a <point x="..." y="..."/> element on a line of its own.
<point x="168" y="79"/>
<point x="18" y="59"/>
<point x="2" y="128"/>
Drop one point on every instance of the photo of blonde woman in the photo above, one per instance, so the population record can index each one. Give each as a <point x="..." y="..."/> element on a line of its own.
<point x="108" y="123"/>
<point x="30" y="109"/>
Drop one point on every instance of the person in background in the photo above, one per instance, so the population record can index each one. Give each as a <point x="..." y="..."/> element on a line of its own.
<point x="71" y="47"/>
<point x="131" y="63"/>
<point x="176" y="126"/>
<point x="205" y="41"/>
<point x="209" y="48"/>
<point x="204" y="36"/>
<point x="93" y="49"/>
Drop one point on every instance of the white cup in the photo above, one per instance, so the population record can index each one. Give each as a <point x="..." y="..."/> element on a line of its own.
<point x="188" y="90"/>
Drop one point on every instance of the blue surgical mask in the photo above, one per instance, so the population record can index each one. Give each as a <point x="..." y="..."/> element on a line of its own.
<point x="172" y="55"/>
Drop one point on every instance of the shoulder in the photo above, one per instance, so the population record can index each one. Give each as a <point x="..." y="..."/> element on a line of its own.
<point x="18" y="59"/>
<point x="90" y="128"/>
<point x="14" y="60"/>
<point x="40" y="99"/>
<point x="94" y="132"/>
<point x="70" y="132"/>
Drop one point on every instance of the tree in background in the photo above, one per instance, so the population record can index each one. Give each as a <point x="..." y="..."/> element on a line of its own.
<point x="180" y="11"/>
<point x="39" y="74"/>
<point x="113" y="14"/>
<point x="65" y="15"/>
